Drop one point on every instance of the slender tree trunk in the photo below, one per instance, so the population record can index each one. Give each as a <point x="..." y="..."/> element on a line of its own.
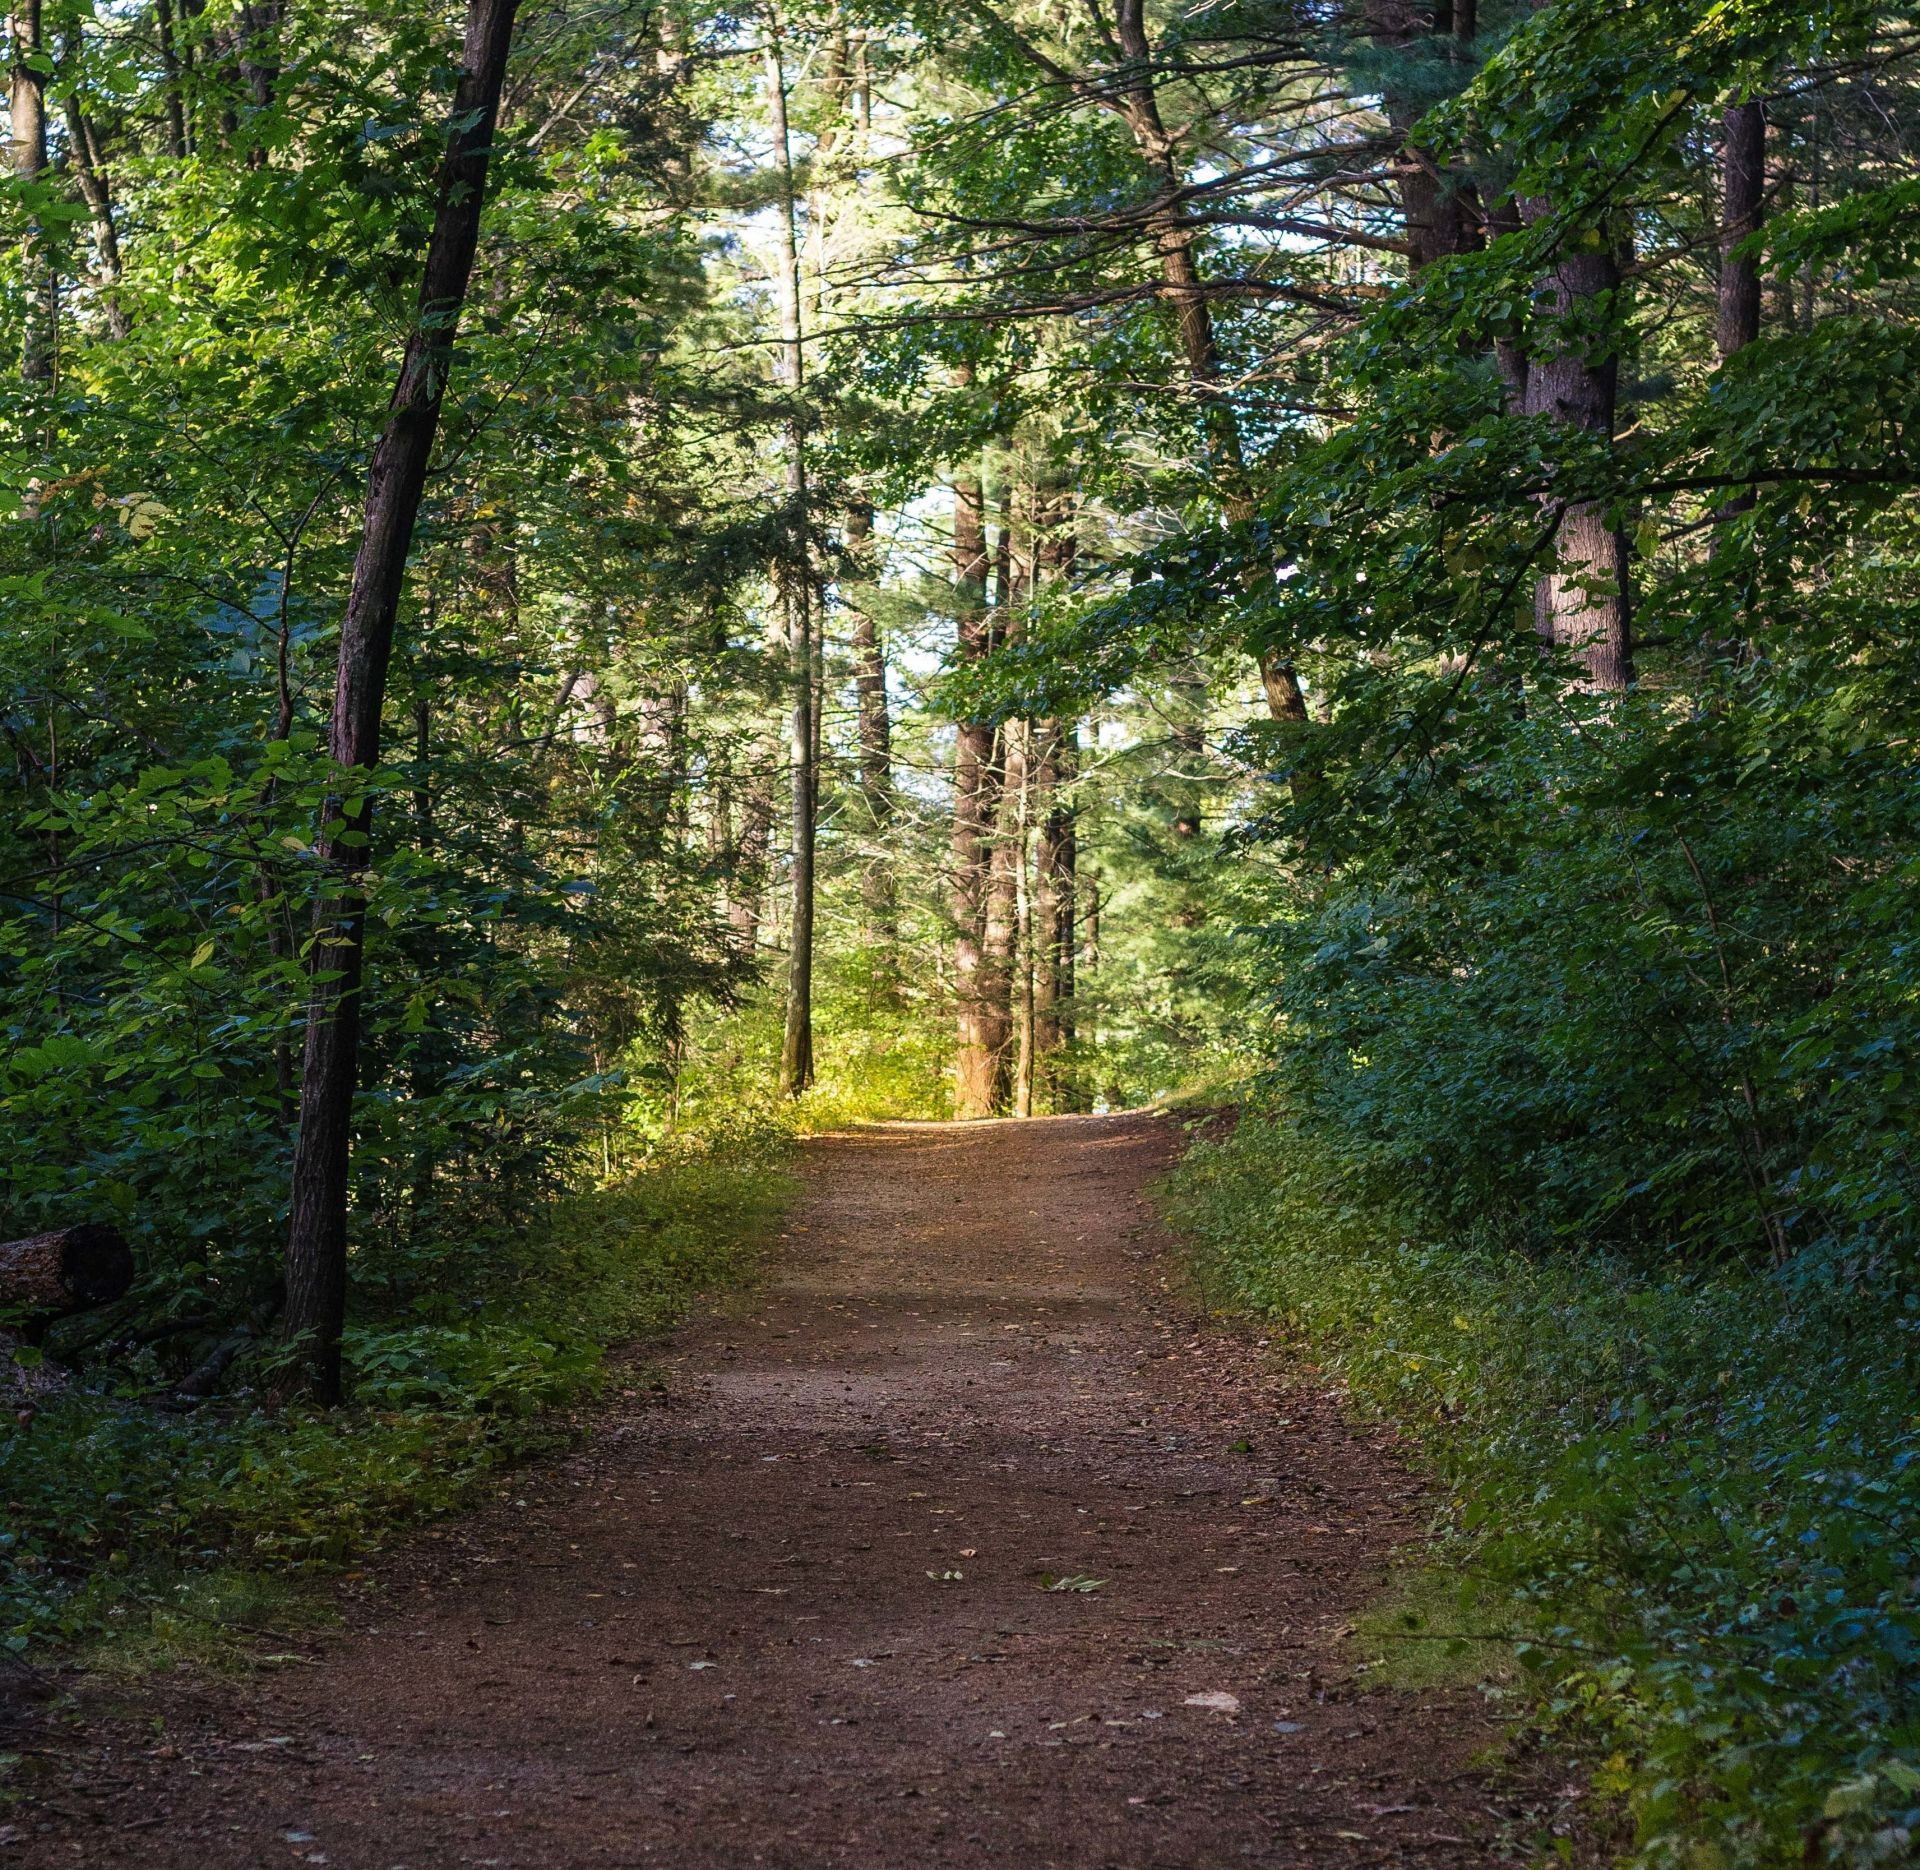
<point x="317" y="1229"/>
<point x="1003" y="894"/>
<point x="423" y="1076"/>
<point x="1058" y="863"/>
<point x="874" y="730"/>
<point x="259" y="61"/>
<point x="747" y="879"/>
<point x="1743" y="184"/>
<point x="1023" y="931"/>
<point x="170" y="80"/>
<point x="973" y="813"/>
<point x="661" y="763"/>
<point x="1173" y="239"/>
<point x="1581" y="602"/>
<point x="1743" y="172"/>
<point x="27" y="102"/>
<point x="96" y="191"/>
<point x="796" y="592"/>
<point x="999" y="946"/>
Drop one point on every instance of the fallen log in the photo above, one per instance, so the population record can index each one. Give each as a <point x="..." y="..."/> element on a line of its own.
<point x="68" y="1270"/>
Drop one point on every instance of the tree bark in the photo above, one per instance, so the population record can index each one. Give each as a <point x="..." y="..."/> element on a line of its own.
<point x="96" y="191"/>
<point x="874" y="730"/>
<point x="796" y="594"/>
<point x="170" y="80"/>
<point x="1174" y="241"/>
<point x="973" y="812"/>
<point x="1023" y="943"/>
<point x="67" y="1270"/>
<point x="1436" y="205"/>
<point x="27" y="105"/>
<point x="1743" y="186"/>
<point x="1055" y="915"/>
<point x="259" y="61"/>
<point x="1581" y="602"/>
<point x="317" y="1229"/>
<point x="1007" y="853"/>
<point x="999" y="946"/>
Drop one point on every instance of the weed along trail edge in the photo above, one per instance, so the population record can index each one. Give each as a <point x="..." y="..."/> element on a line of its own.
<point x="956" y="1539"/>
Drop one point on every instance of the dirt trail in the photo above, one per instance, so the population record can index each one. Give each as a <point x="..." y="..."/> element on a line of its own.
<point x="793" y="1615"/>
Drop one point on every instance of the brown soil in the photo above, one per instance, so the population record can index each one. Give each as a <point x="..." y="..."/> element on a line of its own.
<point x="795" y="1614"/>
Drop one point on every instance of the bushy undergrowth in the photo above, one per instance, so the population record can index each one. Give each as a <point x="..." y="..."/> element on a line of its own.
<point x="113" y="1504"/>
<point x="1695" y="1491"/>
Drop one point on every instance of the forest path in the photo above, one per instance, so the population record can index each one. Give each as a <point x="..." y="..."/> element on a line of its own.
<point x="793" y="1615"/>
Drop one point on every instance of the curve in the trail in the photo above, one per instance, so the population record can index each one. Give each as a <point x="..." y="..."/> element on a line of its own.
<point x="797" y="1612"/>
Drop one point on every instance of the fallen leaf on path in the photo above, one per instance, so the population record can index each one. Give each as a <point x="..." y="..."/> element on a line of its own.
<point x="945" y="1577"/>
<point x="1217" y="1699"/>
<point x="703" y="1665"/>
<point x="1074" y="1581"/>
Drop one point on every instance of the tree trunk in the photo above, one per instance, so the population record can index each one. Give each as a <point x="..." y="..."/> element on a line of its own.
<point x="1437" y="205"/>
<point x="317" y="1229"/>
<point x="1000" y="942"/>
<point x="1174" y="241"/>
<point x="796" y="594"/>
<point x="1743" y="183"/>
<point x="1581" y="603"/>
<point x="27" y="102"/>
<point x="1023" y="957"/>
<point x="67" y="1270"/>
<point x="1055" y="915"/>
<point x="874" y="729"/>
<point x="973" y="813"/>
<point x="259" y="61"/>
<point x="95" y="190"/>
<point x="170" y="80"/>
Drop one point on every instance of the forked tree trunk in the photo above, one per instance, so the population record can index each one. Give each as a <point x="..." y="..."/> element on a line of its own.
<point x="317" y="1228"/>
<point x="96" y="191"/>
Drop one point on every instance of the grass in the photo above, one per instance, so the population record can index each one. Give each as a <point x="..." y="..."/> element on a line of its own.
<point x="151" y="1535"/>
<point x="1425" y="1632"/>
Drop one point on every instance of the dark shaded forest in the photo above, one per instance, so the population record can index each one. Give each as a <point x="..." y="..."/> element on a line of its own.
<point x="591" y="585"/>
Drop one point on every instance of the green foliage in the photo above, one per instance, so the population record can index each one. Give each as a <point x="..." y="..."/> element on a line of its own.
<point x="1691" y="1495"/>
